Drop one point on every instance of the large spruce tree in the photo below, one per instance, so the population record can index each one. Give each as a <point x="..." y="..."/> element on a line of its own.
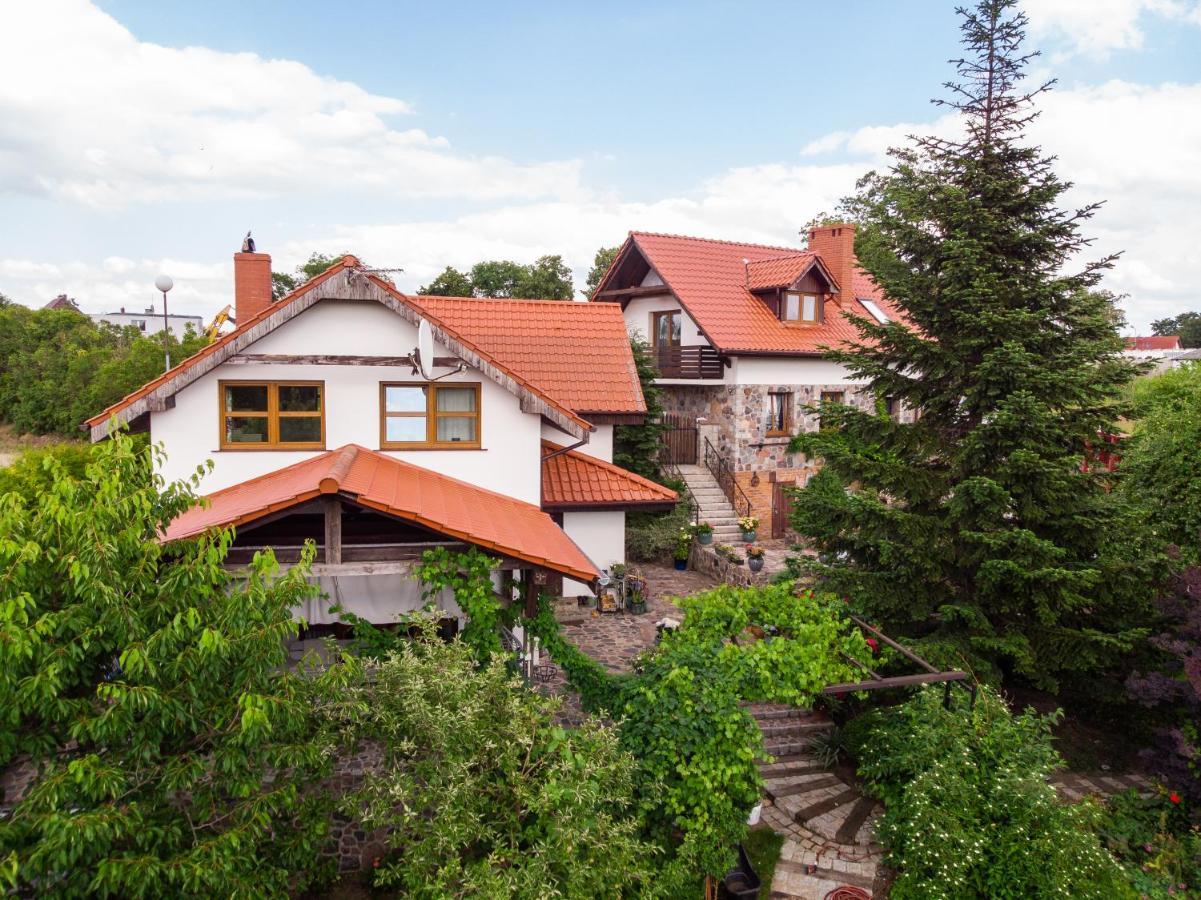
<point x="974" y="529"/>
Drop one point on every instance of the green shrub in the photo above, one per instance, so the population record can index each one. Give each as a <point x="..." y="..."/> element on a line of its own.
<point x="483" y="794"/>
<point x="652" y="537"/>
<point x="968" y="810"/>
<point x="1157" y="843"/>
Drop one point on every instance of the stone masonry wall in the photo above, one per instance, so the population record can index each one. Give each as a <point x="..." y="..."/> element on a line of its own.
<point x="738" y="417"/>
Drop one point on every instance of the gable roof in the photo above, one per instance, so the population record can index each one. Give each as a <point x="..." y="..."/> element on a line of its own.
<point x="576" y="353"/>
<point x="573" y="480"/>
<point x="404" y="491"/>
<point x="343" y="280"/>
<point x="709" y="278"/>
<point x="783" y="271"/>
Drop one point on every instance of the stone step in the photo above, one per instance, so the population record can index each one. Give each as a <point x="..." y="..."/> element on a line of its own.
<point x="859" y="812"/>
<point x="777" y="729"/>
<point x="808" y="813"/>
<point x="788" y="747"/>
<point x="777" y="791"/>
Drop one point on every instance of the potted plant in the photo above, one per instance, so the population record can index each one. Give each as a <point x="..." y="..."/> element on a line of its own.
<point x="704" y="533"/>
<point x="683" y="548"/>
<point x="749" y="526"/>
<point x="754" y="558"/>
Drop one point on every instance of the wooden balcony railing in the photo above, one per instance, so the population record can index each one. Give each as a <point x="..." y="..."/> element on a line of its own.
<point x="688" y="362"/>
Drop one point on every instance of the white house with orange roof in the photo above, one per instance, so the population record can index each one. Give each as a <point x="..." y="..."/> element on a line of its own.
<point x="738" y="332"/>
<point x="379" y="424"/>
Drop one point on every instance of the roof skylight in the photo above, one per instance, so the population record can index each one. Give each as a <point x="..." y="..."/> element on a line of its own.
<point x="878" y="314"/>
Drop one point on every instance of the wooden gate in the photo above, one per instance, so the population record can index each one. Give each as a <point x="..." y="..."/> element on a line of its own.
<point x="781" y="507"/>
<point x="679" y="440"/>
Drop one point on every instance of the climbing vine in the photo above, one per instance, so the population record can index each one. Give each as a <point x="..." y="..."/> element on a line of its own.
<point x="681" y="713"/>
<point x="468" y="575"/>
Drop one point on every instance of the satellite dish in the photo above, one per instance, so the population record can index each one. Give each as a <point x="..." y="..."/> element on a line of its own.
<point x="425" y="349"/>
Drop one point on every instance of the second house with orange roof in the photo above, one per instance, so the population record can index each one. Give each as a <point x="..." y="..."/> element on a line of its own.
<point x="738" y="333"/>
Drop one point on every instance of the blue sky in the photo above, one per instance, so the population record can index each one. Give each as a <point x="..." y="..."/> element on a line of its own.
<point x="145" y="135"/>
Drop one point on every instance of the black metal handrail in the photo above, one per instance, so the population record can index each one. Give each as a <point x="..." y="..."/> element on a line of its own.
<point x="724" y="475"/>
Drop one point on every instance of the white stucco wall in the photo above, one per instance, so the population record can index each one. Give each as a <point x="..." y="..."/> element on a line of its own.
<point x="638" y="318"/>
<point x="784" y="370"/>
<point x="508" y="462"/>
<point x="602" y="537"/>
<point x="600" y="442"/>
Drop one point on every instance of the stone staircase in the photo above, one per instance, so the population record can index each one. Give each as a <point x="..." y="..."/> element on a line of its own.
<point x="828" y="824"/>
<point x="714" y="507"/>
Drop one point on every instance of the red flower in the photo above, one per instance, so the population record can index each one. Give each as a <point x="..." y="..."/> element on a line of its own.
<point x="1174" y="797"/>
<point x="874" y="644"/>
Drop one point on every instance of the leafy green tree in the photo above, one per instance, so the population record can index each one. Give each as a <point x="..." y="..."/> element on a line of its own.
<point x="1161" y="468"/>
<point x="975" y="528"/>
<point x="58" y="367"/>
<point x="547" y="278"/>
<point x="283" y="284"/>
<point x="150" y="688"/>
<point x="600" y="265"/>
<point x="483" y="795"/>
<point x="636" y="447"/>
<point x="449" y="283"/>
<point x="1186" y="325"/>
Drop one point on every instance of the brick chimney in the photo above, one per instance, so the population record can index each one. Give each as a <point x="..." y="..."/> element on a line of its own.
<point x="835" y="244"/>
<point x="252" y="285"/>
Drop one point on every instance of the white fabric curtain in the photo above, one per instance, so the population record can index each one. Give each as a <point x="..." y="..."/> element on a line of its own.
<point x="380" y="599"/>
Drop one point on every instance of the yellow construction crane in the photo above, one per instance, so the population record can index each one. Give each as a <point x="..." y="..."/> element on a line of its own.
<point x="220" y="319"/>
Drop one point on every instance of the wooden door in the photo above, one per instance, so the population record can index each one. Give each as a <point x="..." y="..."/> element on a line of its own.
<point x="781" y="507"/>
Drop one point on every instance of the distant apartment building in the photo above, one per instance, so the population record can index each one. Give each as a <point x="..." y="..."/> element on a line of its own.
<point x="150" y="322"/>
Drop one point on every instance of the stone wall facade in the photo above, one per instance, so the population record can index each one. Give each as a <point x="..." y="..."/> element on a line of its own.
<point x="735" y="418"/>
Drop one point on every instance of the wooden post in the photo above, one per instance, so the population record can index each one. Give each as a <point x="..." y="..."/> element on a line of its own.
<point x="530" y="590"/>
<point x="333" y="531"/>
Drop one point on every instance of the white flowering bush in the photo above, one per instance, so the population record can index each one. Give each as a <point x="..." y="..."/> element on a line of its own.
<point x="968" y="810"/>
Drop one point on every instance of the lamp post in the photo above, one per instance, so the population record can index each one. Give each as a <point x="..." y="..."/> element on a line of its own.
<point x="164" y="284"/>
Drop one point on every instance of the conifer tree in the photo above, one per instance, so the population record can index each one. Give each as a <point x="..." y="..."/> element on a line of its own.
<point x="974" y="529"/>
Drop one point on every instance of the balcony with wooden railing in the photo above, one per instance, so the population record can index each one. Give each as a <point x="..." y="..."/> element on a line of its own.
<point x="688" y="362"/>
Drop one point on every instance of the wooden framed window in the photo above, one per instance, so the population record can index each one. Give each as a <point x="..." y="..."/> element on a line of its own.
<point x="832" y="397"/>
<point x="272" y="415"/>
<point x="797" y="307"/>
<point x="779" y="413"/>
<point x="419" y="415"/>
<point x="665" y="328"/>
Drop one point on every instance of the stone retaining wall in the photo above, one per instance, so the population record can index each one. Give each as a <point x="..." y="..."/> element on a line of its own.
<point x="706" y="560"/>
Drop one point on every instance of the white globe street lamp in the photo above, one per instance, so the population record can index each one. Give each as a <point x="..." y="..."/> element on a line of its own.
<point x="164" y="284"/>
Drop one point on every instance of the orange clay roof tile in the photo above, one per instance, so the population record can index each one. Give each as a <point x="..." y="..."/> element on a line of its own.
<point x="710" y="279"/>
<point x="575" y="479"/>
<point x="547" y="352"/>
<point x="395" y="488"/>
<point x="576" y="353"/>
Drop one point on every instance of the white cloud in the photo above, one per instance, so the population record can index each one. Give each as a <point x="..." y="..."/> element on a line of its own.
<point x="90" y="114"/>
<point x="1097" y="27"/>
<point x="1137" y="147"/>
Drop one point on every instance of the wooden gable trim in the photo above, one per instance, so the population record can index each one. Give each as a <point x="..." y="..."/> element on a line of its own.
<point x="346" y="284"/>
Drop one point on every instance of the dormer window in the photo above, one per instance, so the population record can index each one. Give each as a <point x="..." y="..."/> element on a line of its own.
<point x="798" y="307"/>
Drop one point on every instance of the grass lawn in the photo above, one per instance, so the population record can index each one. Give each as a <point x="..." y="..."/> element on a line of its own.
<point x="763" y="847"/>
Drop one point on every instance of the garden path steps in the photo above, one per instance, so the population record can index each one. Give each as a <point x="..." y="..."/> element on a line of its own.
<point x="715" y="508"/>
<point x="1073" y="786"/>
<point x="827" y="823"/>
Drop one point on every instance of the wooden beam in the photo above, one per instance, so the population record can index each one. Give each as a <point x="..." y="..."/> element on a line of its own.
<point x="395" y="567"/>
<point x="896" y="681"/>
<point x="248" y="359"/>
<point x="333" y="531"/>
<point x="529" y="591"/>
<point x="649" y="290"/>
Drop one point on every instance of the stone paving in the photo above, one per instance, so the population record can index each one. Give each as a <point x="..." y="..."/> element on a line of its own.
<point x="827" y="823"/>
